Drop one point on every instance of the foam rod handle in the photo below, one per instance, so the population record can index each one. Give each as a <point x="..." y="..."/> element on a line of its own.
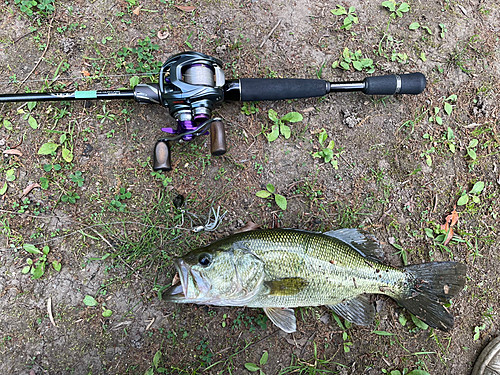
<point x="413" y="83"/>
<point x="256" y="89"/>
<point x="161" y="157"/>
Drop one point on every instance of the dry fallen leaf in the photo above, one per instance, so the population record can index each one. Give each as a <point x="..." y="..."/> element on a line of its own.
<point x="28" y="188"/>
<point x="176" y="279"/>
<point x="86" y="73"/>
<point x="13" y="152"/>
<point x="247" y="227"/>
<point x="450" y="221"/>
<point x="137" y="10"/>
<point x="185" y="8"/>
<point x="163" y="34"/>
<point x="452" y="218"/>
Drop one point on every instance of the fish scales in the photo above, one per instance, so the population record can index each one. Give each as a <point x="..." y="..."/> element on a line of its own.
<point x="334" y="272"/>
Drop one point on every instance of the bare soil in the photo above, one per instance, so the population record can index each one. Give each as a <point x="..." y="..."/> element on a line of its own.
<point x="400" y="173"/>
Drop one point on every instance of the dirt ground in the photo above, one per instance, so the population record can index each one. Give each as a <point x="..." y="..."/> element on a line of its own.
<point x="88" y="232"/>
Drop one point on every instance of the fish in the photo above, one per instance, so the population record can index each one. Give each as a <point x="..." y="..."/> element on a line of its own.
<point x="282" y="269"/>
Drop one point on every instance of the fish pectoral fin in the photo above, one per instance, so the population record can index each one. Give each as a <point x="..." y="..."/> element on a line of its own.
<point x="286" y="287"/>
<point x="358" y="310"/>
<point x="364" y="243"/>
<point x="284" y="318"/>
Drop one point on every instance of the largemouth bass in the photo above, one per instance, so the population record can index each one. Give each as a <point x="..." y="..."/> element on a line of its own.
<point x="279" y="269"/>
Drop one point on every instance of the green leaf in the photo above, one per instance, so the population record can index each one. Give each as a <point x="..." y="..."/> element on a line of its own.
<point x="280" y="201"/>
<point x="252" y="367"/>
<point x="402" y="319"/>
<point x="404" y="7"/>
<point x="472" y="153"/>
<point x="475" y="199"/>
<point x="263" y="194"/>
<point x="335" y="64"/>
<point x="48" y="148"/>
<point x="414" y="26"/>
<point x="273" y="116"/>
<point x="477" y="188"/>
<point x="275" y="132"/>
<point x="418" y="372"/>
<point x="463" y="200"/>
<point x="63" y="138"/>
<point x="344" y="65"/>
<point x="473" y="143"/>
<point x="67" y="155"/>
<point x="452" y="97"/>
<point x="389" y="5"/>
<point x="327" y="154"/>
<point x="292" y="117"/>
<point x="383" y="333"/>
<point x="157" y="359"/>
<point x="422" y="56"/>
<point x="3" y="190"/>
<point x="419" y="323"/>
<point x="285" y="131"/>
<point x="263" y="359"/>
<point x="134" y="81"/>
<point x="10" y="175"/>
<point x="90" y="301"/>
<point x="107" y="313"/>
<point x="149" y="371"/>
<point x="31" y="105"/>
<point x="56" y="265"/>
<point x="32" y="122"/>
<point x="357" y="65"/>
<point x="45" y="250"/>
<point x="26" y="269"/>
<point x="31" y="249"/>
<point x="271" y="188"/>
<point x="439" y="120"/>
<point x="7" y="124"/>
<point x="339" y="11"/>
<point x="39" y="271"/>
<point x="448" y="108"/>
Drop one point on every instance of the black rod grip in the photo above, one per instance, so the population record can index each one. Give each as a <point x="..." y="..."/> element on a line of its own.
<point x="413" y="83"/>
<point x="161" y="157"/>
<point x="256" y="89"/>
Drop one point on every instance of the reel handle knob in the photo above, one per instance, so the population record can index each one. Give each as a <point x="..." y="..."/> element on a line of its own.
<point x="217" y="138"/>
<point x="161" y="157"/>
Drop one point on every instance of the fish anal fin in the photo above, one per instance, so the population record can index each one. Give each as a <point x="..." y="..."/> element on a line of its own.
<point x="283" y="318"/>
<point x="358" y="310"/>
<point x="286" y="286"/>
<point x="364" y="243"/>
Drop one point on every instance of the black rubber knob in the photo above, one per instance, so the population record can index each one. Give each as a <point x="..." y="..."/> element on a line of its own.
<point x="161" y="157"/>
<point x="217" y="138"/>
<point x="413" y="83"/>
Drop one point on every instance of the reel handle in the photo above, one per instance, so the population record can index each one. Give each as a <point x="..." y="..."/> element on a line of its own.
<point x="217" y="138"/>
<point x="161" y="157"/>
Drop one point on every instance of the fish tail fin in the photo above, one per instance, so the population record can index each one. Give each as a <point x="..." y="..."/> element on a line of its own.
<point x="432" y="285"/>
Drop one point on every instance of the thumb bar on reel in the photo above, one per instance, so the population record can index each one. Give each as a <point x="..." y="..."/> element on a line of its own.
<point x="192" y="84"/>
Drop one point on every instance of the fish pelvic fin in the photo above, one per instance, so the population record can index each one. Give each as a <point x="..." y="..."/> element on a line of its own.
<point x="358" y="310"/>
<point x="284" y="318"/>
<point x="435" y="283"/>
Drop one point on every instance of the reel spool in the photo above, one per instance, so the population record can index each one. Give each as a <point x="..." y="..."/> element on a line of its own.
<point x="191" y="84"/>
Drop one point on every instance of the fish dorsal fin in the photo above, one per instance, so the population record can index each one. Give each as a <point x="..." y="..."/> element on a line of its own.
<point x="283" y="318"/>
<point x="286" y="287"/>
<point x="358" y="310"/>
<point x="364" y="243"/>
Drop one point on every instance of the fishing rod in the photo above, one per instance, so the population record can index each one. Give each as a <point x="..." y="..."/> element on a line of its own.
<point x="192" y="84"/>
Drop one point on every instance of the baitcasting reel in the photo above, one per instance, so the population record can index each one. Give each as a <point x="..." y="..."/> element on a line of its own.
<point x="192" y="84"/>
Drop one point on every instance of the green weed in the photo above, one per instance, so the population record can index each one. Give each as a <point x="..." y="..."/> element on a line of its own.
<point x="279" y="126"/>
<point x="350" y="16"/>
<point x="271" y="192"/>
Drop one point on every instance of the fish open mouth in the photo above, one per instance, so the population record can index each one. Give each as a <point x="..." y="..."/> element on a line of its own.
<point x="178" y="291"/>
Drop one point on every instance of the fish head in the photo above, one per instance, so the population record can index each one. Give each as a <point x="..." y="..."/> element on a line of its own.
<point x="214" y="275"/>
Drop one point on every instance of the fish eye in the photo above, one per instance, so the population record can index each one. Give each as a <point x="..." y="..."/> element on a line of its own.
<point x="205" y="259"/>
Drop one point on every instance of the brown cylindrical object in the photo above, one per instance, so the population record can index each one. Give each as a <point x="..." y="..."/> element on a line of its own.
<point x="217" y="138"/>
<point x="161" y="157"/>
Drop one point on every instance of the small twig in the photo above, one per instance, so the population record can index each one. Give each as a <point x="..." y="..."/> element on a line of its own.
<point x="269" y="35"/>
<point x="41" y="57"/>
<point x="150" y="324"/>
<point x="49" y="311"/>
